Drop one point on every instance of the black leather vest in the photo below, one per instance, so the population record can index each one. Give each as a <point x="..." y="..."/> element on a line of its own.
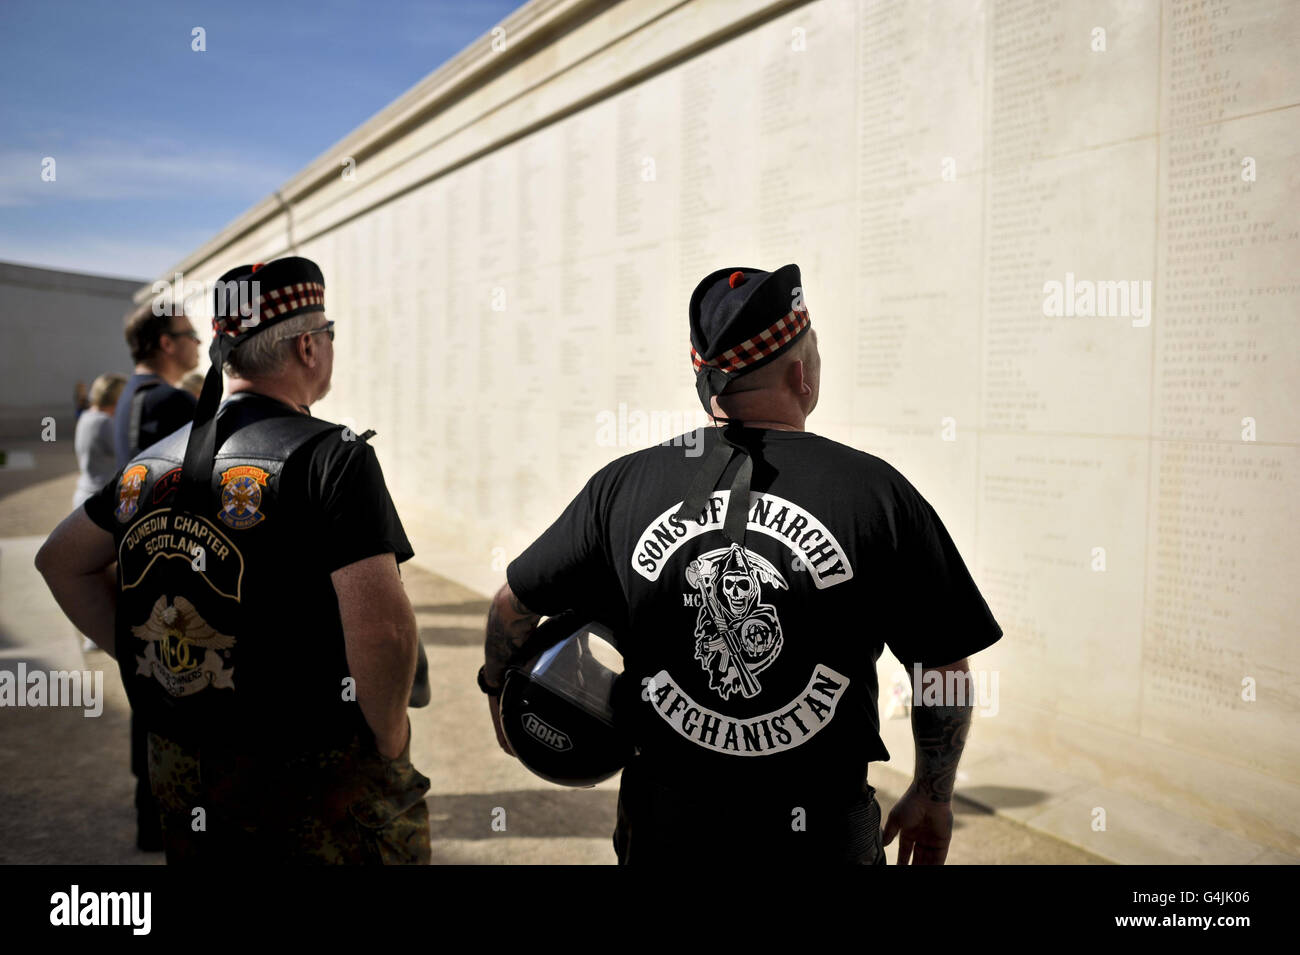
<point x="228" y="633"/>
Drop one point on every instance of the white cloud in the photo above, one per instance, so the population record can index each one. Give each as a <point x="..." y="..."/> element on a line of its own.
<point x="113" y="257"/>
<point x="115" y="170"/>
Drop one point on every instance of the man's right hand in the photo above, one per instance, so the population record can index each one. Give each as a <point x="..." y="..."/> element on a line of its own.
<point x="393" y="746"/>
<point x="924" y="828"/>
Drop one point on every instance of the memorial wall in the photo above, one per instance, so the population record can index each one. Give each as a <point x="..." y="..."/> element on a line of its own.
<point x="1050" y="250"/>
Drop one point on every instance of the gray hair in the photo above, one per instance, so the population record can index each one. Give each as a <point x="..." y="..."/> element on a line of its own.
<point x="265" y="353"/>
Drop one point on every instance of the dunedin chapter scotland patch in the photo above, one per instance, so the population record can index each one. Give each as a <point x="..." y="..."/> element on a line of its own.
<point x="128" y="492"/>
<point x="241" y="496"/>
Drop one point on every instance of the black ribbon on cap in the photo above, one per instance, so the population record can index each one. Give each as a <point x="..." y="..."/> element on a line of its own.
<point x="706" y="481"/>
<point x="711" y="381"/>
<point x="201" y="449"/>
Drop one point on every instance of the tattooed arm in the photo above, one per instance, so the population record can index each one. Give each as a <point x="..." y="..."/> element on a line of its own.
<point x="940" y="733"/>
<point x="509" y="624"/>
<point x="922" y="818"/>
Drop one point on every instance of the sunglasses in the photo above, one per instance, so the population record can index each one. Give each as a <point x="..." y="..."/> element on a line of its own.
<point x="327" y="328"/>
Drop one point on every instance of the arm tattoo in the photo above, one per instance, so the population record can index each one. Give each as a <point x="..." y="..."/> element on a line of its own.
<point x="940" y="734"/>
<point x="507" y="629"/>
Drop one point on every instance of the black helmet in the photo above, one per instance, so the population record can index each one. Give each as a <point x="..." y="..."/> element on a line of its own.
<point x="557" y="704"/>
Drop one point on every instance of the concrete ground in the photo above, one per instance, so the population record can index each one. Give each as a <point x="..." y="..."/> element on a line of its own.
<point x="66" y="789"/>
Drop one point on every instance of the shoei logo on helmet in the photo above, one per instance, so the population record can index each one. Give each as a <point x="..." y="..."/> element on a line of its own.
<point x="543" y="732"/>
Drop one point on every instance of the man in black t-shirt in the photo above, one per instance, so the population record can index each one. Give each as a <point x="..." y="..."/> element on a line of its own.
<point x="258" y="615"/>
<point x="164" y="346"/>
<point x="751" y="617"/>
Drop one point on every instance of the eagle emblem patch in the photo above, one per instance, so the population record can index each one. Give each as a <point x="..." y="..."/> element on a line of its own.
<point x="128" y="492"/>
<point x="182" y="652"/>
<point x="241" y="496"/>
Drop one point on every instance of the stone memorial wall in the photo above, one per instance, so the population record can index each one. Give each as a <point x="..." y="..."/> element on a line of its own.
<point x="1050" y="250"/>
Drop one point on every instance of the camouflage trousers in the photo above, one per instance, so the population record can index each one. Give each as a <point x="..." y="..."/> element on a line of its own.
<point x="348" y="805"/>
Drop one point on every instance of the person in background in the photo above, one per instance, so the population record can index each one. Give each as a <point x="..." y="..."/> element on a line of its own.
<point x="79" y="400"/>
<point x="193" y="383"/>
<point x="93" y="441"/>
<point x="164" y="347"/>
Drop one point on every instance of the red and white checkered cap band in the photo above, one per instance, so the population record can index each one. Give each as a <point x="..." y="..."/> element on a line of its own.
<point x="760" y="346"/>
<point x="278" y="302"/>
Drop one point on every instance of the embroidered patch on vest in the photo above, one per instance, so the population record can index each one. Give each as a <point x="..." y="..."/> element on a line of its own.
<point x="165" y="485"/>
<point x="241" y="495"/>
<point x="128" y="492"/>
<point x="161" y="535"/>
<point x="182" y="652"/>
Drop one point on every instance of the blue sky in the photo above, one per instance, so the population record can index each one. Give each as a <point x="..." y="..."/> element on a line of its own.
<point x="158" y="147"/>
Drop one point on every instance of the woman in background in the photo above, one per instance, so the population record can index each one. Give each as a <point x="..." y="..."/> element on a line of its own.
<point x="193" y="383"/>
<point x="93" y="440"/>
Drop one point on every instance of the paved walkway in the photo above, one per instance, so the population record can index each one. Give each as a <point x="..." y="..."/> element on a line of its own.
<point x="66" y="791"/>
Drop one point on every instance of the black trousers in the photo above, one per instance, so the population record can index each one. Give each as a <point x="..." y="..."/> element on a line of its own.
<point x="661" y="826"/>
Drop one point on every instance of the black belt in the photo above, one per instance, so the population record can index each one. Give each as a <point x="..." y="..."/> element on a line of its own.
<point x="664" y="825"/>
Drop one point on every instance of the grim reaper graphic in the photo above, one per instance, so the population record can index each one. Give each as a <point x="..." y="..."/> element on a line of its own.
<point x="736" y="635"/>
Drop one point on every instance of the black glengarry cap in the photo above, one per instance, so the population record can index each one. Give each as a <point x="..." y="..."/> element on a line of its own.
<point x="742" y="319"/>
